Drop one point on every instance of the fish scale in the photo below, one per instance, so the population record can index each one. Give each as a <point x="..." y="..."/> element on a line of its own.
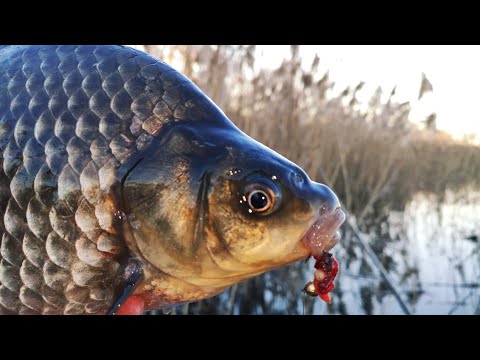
<point x="70" y="116"/>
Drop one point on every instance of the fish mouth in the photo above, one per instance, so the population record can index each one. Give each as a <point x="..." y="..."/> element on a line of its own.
<point x="324" y="233"/>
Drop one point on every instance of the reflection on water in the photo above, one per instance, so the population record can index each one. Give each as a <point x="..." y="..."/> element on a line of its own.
<point x="432" y="254"/>
<point x="442" y="245"/>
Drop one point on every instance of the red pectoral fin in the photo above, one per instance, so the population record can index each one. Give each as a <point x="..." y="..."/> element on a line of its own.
<point x="134" y="305"/>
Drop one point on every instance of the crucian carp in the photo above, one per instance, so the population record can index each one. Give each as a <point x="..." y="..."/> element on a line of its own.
<point x="124" y="188"/>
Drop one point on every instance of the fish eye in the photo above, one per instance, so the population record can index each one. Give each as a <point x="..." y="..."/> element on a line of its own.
<point x="261" y="197"/>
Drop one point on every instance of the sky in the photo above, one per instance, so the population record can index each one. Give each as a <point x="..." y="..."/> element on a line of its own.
<point x="453" y="71"/>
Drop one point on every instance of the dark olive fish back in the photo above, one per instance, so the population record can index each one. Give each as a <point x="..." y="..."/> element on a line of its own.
<point x="70" y="116"/>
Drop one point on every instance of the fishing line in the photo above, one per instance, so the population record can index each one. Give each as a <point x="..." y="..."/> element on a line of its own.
<point x="304" y="299"/>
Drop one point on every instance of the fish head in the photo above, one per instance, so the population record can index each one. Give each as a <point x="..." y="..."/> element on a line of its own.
<point x="211" y="206"/>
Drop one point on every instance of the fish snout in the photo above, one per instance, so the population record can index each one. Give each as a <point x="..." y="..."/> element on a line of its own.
<point x="324" y="233"/>
<point x="324" y="199"/>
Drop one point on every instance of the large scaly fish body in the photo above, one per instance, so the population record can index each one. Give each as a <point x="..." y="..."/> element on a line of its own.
<point x="108" y="154"/>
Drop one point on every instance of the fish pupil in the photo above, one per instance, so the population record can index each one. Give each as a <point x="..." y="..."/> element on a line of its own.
<point x="258" y="200"/>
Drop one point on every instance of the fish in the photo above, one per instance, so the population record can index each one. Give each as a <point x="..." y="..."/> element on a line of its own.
<point x="124" y="188"/>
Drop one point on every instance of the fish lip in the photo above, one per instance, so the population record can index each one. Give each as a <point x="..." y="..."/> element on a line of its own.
<point x="323" y="234"/>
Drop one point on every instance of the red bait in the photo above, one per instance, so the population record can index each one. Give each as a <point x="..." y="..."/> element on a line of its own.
<point x="326" y="270"/>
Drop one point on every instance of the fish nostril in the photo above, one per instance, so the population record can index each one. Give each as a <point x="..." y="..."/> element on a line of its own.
<point x="333" y="203"/>
<point x="326" y="200"/>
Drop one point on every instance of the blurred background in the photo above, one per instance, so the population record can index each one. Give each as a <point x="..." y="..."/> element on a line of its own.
<point x="395" y="132"/>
